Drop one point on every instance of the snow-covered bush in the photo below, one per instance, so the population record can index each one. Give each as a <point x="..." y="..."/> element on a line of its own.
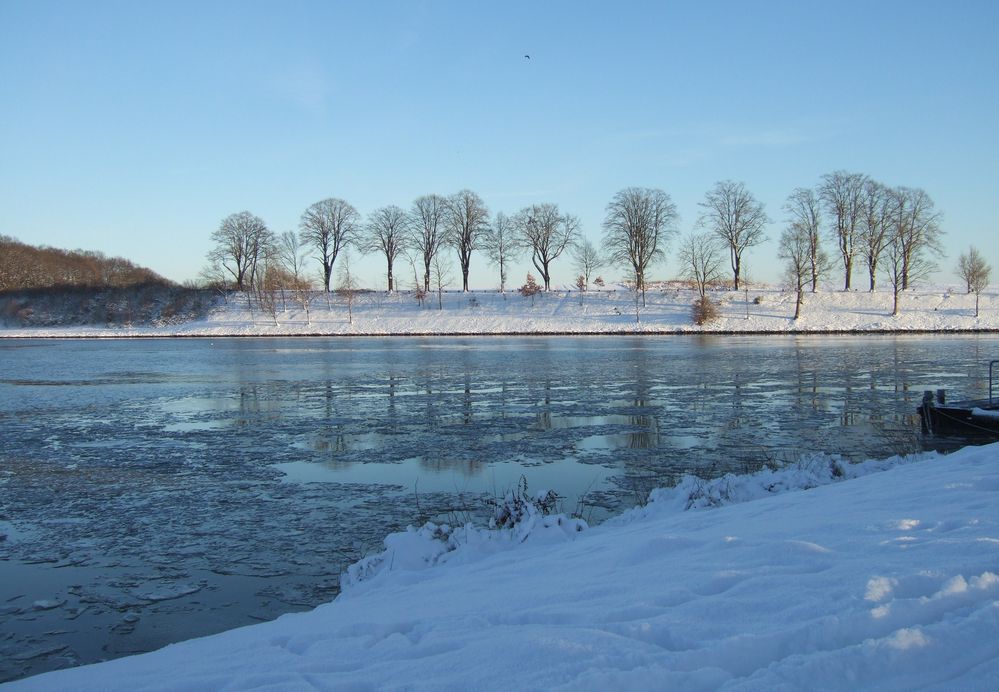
<point x="518" y="505"/>
<point x="517" y="518"/>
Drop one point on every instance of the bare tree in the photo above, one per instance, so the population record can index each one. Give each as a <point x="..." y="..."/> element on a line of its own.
<point x="213" y="276"/>
<point x="875" y="223"/>
<point x="467" y="220"/>
<point x="975" y="272"/>
<point x="270" y="284"/>
<point x="329" y="226"/>
<point x="442" y="277"/>
<point x="500" y="243"/>
<point x="842" y="193"/>
<point x="795" y="250"/>
<point x="586" y="260"/>
<point x="428" y="223"/>
<point x="638" y="226"/>
<point x="239" y="240"/>
<point x="546" y="233"/>
<point x="292" y="254"/>
<point x="737" y="218"/>
<point x="387" y="232"/>
<point x="918" y="232"/>
<point x="964" y="266"/>
<point x="347" y="286"/>
<point x="803" y="207"/>
<point x="581" y="287"/>
<point x="419" y="292"/>
<point x="700" y="261"/>
<point x="894" y="260"/>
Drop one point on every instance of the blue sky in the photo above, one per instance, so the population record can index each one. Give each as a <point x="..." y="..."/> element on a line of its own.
<point x="134" y="128"/>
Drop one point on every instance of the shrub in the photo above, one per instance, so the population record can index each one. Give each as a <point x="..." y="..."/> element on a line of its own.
<point x="530" y="289"/>
<point x="517" y="505"/>
<point x="758" y="300"/>
<point x="704" y="311"/>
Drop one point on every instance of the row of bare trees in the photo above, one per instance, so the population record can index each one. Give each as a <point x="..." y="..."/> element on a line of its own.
<point x="893" y="230"/>
<point x="243" y="244"/>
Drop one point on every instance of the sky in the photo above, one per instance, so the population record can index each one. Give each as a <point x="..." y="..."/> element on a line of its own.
<point x="135" y="128"/>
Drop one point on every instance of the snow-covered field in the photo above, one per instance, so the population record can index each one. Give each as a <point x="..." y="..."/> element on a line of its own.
<point x="668" y="309"/>
<point x="880" y="576"/>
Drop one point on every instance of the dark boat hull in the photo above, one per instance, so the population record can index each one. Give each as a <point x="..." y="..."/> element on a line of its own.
<point x="973" y="419"/>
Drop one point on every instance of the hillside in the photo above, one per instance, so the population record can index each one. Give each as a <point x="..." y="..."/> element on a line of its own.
<point x="50" y="287"/>
<point x="27" y="267"/>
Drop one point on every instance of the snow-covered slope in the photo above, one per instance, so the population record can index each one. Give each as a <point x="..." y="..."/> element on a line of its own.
<point x="884" y="576"/>
<point x="667" y="309"/>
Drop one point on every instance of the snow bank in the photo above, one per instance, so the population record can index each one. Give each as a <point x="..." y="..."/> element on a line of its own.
<point x="880" y="576"/>
<point x="518" y="517"/>
<point x="667" y="310"/>
<point x="523" y="519"/>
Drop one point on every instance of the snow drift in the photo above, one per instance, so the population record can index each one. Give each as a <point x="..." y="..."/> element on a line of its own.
<point x="877" y="576"/>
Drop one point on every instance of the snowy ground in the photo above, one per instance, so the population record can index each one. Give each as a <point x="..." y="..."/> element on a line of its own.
<point x="877" y="576"/>
<point x="668" y="310"/>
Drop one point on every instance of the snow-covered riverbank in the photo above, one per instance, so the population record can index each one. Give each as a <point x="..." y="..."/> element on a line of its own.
<point x="667" y="310"/>
<point x="878" y="576"/>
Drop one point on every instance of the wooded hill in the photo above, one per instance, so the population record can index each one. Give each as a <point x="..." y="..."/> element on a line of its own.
<point x="26" y="267"/>
<point x="43" y="286"/>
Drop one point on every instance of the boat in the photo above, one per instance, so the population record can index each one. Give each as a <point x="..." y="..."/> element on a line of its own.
<point x="972" y="418"/>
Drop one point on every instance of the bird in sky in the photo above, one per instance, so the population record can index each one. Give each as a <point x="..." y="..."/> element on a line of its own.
<point x="526" y="56"/>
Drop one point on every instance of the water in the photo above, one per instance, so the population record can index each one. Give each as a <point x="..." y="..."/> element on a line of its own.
<point x="157" y="490"/>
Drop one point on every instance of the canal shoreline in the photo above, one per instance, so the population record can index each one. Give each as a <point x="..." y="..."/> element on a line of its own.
<point x="665" y="312"/>
<point x="47" y="334"/>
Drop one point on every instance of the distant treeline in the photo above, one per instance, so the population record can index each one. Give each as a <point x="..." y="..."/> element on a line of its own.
<point x="26" y="267"/>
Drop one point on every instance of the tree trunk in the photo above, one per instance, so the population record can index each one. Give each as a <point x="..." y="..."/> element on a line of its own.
<point x="736" y="267"/>
<point x="797" y="304"/>
<point x="327" y="275"/>
<point x="465" y="259"/>
<point x="390" y="277"/>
